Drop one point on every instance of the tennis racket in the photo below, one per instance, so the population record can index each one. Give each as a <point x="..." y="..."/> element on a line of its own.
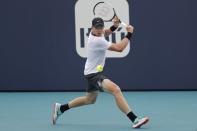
<point x="105" y="11"/>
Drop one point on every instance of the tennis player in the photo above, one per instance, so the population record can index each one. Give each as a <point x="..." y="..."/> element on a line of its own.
<point x="96" y="50"/>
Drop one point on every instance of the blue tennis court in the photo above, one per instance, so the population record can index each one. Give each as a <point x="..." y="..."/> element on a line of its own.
<point x="175" y="111"/>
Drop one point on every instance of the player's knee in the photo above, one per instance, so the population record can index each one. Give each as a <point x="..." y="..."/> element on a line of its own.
<point x="90" y="100"/>
<point x="93" y="101"/>
<point x="116" y="90"/>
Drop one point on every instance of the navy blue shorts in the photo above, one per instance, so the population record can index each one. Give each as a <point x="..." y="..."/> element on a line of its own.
<point x="94" y="82"/>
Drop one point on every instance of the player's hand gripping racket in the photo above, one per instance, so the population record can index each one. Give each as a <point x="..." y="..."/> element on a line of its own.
<point x="105" y="11"/>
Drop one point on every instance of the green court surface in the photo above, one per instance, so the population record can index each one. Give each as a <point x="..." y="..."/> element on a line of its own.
<point x="168" y="111"/>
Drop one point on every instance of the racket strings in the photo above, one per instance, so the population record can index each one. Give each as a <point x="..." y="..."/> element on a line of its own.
<point x="104" y="11"/>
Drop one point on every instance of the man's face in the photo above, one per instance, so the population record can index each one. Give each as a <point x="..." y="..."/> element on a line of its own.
<point x="98" y="31"/>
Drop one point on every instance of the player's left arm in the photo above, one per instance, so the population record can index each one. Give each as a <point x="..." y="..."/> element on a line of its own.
<point x="115" y="25"/>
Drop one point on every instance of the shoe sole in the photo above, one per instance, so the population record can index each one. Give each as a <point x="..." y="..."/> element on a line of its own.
<point x="142" y="123"/>
<point x="53" y="112"/>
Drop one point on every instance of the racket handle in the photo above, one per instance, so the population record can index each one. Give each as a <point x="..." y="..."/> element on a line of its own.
<point x="124" y="24"/>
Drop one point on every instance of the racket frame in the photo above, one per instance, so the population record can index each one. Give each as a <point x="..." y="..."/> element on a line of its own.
<point x="115" y="15"/>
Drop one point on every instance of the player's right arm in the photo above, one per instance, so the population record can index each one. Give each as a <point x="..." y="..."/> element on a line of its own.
<point x="120" y="46"/>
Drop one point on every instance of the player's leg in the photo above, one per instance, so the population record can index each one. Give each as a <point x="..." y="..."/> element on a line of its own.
<point x="114" y="89"/>
<point x="90" y="98"/>
<point x="58" y="109"/>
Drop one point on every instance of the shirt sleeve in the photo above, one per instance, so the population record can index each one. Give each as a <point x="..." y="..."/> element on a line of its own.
<point x="104" y="44"/>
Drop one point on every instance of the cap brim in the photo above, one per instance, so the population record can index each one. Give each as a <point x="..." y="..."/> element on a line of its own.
<point x="99" y="25"/>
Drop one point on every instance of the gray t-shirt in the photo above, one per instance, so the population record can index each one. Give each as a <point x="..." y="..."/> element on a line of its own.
<point x="96" y="50"/>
